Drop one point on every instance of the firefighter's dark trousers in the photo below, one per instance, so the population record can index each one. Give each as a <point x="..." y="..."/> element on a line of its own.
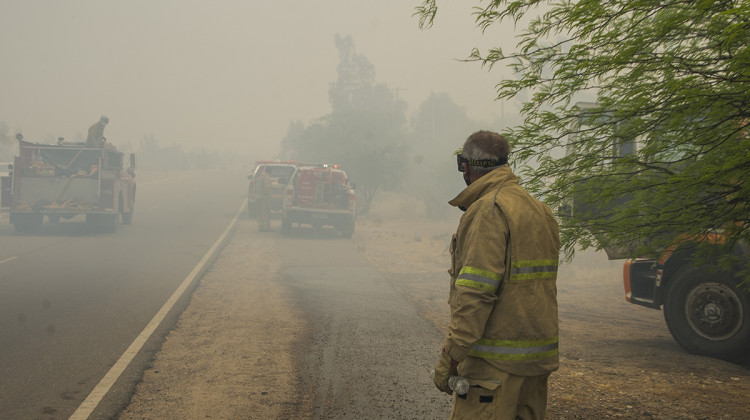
<point x="264" y="215"/>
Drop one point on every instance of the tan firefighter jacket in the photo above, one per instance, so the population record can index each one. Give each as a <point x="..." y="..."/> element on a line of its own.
<point x="264" y="186"/>
<point x="503" y="293"/>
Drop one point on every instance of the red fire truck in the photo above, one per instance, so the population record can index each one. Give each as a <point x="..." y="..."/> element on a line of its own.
<point x="66" y="180"/>
<point x="320" y="195"/>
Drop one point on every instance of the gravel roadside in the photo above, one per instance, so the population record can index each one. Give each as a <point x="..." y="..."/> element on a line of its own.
<point x="221" y="360"/>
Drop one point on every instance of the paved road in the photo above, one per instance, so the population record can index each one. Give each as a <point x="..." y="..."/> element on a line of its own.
<point x="369" y="353"/>
<point x="71" y="301"/>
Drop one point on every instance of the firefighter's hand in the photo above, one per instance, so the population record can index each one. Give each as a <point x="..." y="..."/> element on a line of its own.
<point x="444" y="369"/>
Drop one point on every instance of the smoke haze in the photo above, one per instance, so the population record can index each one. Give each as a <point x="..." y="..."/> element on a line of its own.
<point x="227" y="75"/>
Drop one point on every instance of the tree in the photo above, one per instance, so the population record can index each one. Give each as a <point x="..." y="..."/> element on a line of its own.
<point x="292" y="141"/>
<point x="671" y="82"/>
<point x="365" y="132"/>
<point x="6" y="143"/>
<point x="437" y="130"/>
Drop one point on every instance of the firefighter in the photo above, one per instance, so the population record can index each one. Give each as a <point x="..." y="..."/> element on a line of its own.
<point x="503" y="331"/>
<point x="264" y="201"/>
<point x="95" y="136"/>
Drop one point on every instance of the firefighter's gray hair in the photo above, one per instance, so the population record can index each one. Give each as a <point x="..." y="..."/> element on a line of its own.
<point x="486" y="145"/>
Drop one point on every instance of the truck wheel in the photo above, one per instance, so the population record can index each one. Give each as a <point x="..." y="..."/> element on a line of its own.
<point x="348" y="231"/>
<point x="286" y="226"/>
<point x="127" y="218"/>
<point x="708" y="314"/>
<point x="110" y="222"/>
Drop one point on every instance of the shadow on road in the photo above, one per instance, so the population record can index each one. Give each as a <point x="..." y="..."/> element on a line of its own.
<point x="65" y="228"/>
<point x="307" y="232"/>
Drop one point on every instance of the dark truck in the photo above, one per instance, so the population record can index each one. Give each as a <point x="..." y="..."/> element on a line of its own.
<point x="319" y="195"/>
<point x="67" y="180"/>
<point x="706" y="309"/>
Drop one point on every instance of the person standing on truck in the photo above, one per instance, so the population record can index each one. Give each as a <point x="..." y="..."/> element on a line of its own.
<point x="264" y="201"/>
<point x="96" y="133"/>
<point x="503" y="332"/>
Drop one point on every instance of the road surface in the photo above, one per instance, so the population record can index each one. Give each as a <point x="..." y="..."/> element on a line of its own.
<point x="72" y="300"/>
<point x="368" y="351"/>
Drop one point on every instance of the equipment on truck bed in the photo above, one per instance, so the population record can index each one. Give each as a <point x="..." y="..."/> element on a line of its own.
<point x="66" y="180"/>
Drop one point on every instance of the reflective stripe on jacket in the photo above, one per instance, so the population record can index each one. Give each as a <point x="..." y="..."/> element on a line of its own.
<point x="503" y="295"/>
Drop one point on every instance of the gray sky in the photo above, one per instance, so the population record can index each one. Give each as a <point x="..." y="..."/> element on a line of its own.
<point x="224" y="74"/>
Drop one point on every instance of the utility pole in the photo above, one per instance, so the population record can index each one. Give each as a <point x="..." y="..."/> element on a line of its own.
<point x="397" y="90"/>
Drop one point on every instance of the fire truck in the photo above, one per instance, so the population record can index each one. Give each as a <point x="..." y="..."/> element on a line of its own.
<point x="319" y="195"/>
<point x="67" y="180"/>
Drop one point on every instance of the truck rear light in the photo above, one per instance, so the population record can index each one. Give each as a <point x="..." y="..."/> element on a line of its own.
<point x="626" y="279"/>
<point x="659" y="274"/>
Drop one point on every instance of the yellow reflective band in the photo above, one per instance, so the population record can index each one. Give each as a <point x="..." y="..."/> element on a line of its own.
<point x="478" y="279"/>
<point x="533" y="269"/>
<point x="515" y="349"/>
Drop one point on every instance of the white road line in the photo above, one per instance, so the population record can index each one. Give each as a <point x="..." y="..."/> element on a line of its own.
<point x="8" y="260"/>
<point x="100" y="390"/>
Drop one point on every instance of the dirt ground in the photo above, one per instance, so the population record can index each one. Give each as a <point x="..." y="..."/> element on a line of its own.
<point x="617" y="360"/>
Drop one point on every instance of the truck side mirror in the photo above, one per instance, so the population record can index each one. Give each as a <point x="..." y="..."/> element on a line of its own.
<point x="250" y="176"/>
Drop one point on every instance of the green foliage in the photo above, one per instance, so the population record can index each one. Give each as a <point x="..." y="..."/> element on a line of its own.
<point x="365" y="132"/>
<point x="670" y="78"/>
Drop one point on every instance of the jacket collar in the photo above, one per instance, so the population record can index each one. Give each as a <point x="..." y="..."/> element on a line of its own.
<point x="489" y="182"/>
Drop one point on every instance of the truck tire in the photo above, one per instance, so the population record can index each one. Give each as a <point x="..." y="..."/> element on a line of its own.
<point x="708" y="314"/>
<point x="110" y="222"/>
<point x="348" y="231"/>
<point x="127" y="218"/>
